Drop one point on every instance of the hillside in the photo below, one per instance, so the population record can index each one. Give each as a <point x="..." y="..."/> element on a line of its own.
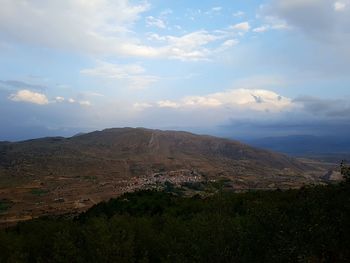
<point x="304" y="225"/>
<point x="58" y="175"/>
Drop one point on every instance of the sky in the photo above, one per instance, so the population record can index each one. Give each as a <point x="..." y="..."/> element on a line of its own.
<point x="244" y="68"/>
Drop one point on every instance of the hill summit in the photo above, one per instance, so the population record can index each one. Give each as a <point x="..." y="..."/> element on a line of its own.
<point x="70" y="174"/>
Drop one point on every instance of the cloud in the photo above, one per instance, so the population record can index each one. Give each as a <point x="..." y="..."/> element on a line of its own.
<point x="261" y="29"/>
<point x="272" y="23"/>
<point x="213" y="109"/>
<point x="152" y="21"/>
<point x="99" y="26"/>
<point x="30" y="97"/>
<point x="330" y="108"/>
<point x="132" y="73"/>
<point x="73" y="101"/>
<point x="17" y="85"/>
<point x="198" y="45"/>
<point x="41" y="99"/>
<point x="229" y="43"/>
<point x="92" y="94"/>
<point x="189" y="47"/>
<point x="142" y="81"/>
<point x="167" y="104"/>
<point x="329" y="25"/>
<point x="249" y="112"/>
<point x="244" y="26"/>
<point x="142" y="106"/>
<point x="85" y="103"/>
<point x="238" y="14"/>
<point x="113" y="71"/>
<point x="166" y="12"/>
<point x="216" y="9"/>
<point x="244" y="99"/>
<point x="59" y="99"/>
<point x="191" y="40"/>
<point x="340" y="6"/>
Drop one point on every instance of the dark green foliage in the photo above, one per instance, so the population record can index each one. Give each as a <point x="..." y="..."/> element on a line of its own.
<point x="39" y="192"/>
<point x="5" y="205"/>
<point x="306" y="225"/>
<point x="345" y="171"/>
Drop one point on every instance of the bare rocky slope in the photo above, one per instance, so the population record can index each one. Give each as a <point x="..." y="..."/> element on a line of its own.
<point x="58" y="175"/>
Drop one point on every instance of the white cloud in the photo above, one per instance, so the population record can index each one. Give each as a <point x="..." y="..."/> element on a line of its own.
<point x="193" y="46"/>
<point x="29" y="96"/>
<point x="167" y="104"/>
<point x="71" y="100"/>
<point x="238" y="14"/>
<point x="261" y="29"/>
<point x="153" y="21"/>
<point x="216" y="9"/>
<point x="230" y="43"/>
<point x="59" y="99"/>
<point x="142" y="106"/>
<point x="244" y="26"/>
<point x="244" y="99"/>
<point x="271" y="23"/>
<point x="41" y="99"/>
<point x="340" y="6"/>
<point x="189" y="47"/>
<point x="166" y="12"/>
<point x="132" y="73"/>
<point x="142" y="81"/>
<point x="113" y="71"/>
<point x="156" y="37"/>
<point x="98" y="26"/>
<point x="206" y="101"/>
<point x="276" y="23"/>
<point x="92" y="94"/>
<point x="85" y="103"/>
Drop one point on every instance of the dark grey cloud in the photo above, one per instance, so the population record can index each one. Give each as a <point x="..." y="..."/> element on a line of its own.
<point x="321" y="35"/>
<point x="333" y="108"/>
<point x="319" y="19"/>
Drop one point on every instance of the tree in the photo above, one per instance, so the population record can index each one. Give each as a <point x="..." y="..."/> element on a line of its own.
<point x="345" y="171"/>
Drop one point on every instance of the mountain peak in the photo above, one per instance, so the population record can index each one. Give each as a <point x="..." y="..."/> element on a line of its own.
<point x="99" y="165"/>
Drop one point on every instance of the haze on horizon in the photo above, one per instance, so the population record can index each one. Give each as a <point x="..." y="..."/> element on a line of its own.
<point x="238" y="68"/>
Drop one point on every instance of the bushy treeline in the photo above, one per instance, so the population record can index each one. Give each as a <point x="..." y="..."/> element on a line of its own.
<point x="307" y="225"/>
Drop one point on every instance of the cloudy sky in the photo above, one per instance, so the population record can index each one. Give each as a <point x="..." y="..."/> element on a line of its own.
<point x="235" y="68"/>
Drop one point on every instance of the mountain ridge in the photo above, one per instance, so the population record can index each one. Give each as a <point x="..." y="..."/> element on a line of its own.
<point x="57" y="174"/>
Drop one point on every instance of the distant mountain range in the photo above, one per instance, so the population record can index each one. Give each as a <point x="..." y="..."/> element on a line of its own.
<point x="57" y="175"/>
<point x="331" y="148"/>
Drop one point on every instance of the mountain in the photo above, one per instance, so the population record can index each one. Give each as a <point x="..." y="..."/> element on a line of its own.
<point x="326" y="148"/>
<point x="59" y="175"/>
